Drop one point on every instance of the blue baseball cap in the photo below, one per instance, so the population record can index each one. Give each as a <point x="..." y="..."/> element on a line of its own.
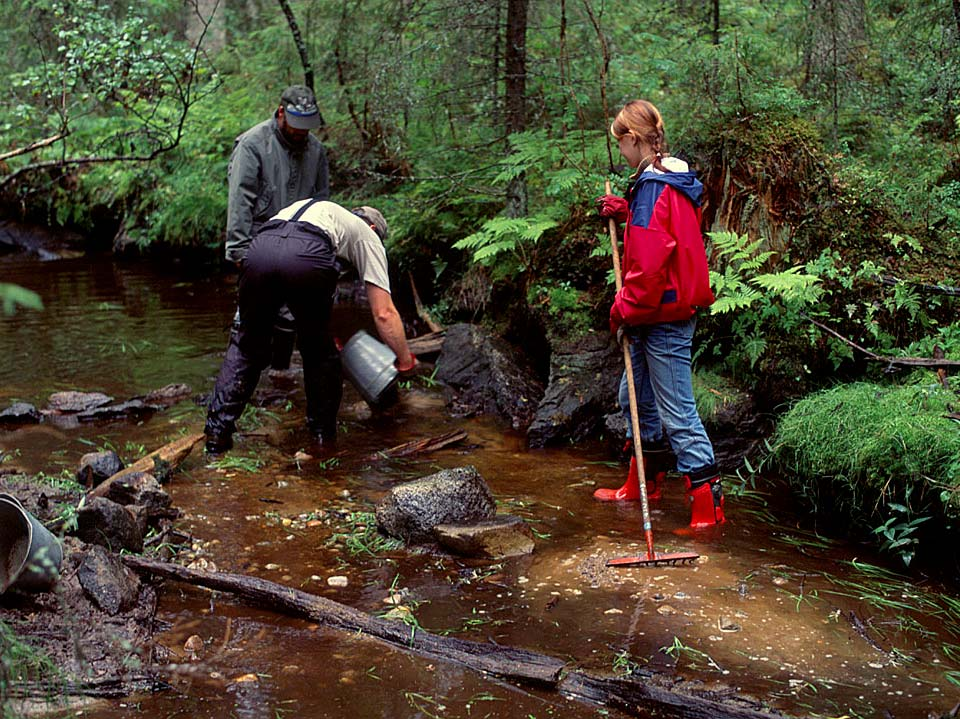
<point x="300" y="107"/>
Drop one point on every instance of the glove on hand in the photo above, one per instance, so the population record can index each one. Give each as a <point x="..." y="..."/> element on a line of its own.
<point x="612" y="206"/>
<point x="413" y="370"/>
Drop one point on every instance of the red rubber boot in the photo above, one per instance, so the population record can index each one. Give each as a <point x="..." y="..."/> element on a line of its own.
<point x="628" y="492"/>
<point x="706" y="503"/>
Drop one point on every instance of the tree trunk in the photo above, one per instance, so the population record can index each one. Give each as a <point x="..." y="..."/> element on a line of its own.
<point x="298" y="41"/>
<point x="515" y="64"/>
<point x="835" y="44"/>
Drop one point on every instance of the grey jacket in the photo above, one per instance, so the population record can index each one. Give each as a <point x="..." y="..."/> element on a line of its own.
<point x="265" y="175"/>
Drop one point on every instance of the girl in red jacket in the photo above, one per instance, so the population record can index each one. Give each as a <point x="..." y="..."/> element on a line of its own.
<point x="665" y="280"/>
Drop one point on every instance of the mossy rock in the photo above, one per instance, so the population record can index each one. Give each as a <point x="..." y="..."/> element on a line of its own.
<point x="870" y="445"/>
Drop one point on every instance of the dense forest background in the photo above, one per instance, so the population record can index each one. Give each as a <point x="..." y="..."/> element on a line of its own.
<point x="826" y="133"/>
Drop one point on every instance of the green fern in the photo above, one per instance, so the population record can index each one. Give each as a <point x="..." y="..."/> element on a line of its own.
<point x="740" y="286"/>
<point x="506" y="235"/>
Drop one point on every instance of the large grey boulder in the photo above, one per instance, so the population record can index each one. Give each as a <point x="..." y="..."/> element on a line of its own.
<point x="584" y="380"/>
<point x="485" y="374"/>
<point x="411" y="510"/>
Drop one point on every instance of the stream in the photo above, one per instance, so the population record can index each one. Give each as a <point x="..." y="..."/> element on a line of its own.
<point x="812" y="624"/>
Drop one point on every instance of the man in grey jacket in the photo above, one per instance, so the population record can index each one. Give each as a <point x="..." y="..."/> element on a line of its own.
<point x="274" y="164"/>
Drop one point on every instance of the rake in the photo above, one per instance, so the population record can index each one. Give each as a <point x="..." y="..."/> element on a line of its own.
<point x="652" y="558"/>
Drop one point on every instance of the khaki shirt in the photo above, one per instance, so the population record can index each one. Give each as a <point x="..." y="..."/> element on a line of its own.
<point x="352" y="238"/>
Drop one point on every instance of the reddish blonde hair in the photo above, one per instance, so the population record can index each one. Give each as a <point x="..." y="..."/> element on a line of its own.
<point x="640" y="118"/>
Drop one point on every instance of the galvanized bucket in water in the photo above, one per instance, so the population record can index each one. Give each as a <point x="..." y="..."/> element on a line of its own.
<point x="30" y="555"/>
<point x="368" y="364"/>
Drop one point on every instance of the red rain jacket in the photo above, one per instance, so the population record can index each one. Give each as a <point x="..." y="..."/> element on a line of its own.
<point x="665" y="273"/>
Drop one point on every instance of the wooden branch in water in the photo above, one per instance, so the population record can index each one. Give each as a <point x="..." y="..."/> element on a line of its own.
<point x="506" y="662"/>
<point x="417" y="446"/>
<point x="638" y="695"/>
<point x="898" y="361"/>
<point x="171" y="454"/>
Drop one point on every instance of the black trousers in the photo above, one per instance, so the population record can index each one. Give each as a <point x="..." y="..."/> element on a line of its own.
<point x="289" y="263"/>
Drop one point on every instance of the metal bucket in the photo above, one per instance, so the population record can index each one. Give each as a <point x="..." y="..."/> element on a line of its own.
<point x="368" y="364"/>
<point x="30" y="555"/>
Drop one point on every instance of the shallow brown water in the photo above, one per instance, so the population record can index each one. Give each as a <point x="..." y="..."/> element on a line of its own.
<point x="769" y="608"/>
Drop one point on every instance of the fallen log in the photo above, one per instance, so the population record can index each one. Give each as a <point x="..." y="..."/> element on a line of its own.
<point x="102" y="688"/>
<point x="506" y="662"/>
<point x="170" y="455"/>
<point x="418" y="446"/>
<point x="637" y="694"/>
<point x="427" y="344"/>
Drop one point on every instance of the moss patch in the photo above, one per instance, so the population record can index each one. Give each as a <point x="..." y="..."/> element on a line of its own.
<point x="870" y="445"/>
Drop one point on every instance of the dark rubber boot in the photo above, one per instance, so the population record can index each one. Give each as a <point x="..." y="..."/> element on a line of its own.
<point x="217" y="442"/>
<point x="282" y="342"/>
<point x="656" y="462"/>
<point x="323" y="382"/>
<point x="235" y="384"/>
<point x="706" y="503"/>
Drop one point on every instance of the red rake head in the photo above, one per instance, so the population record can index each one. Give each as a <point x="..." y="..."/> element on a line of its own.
<point x="654" y="559"/>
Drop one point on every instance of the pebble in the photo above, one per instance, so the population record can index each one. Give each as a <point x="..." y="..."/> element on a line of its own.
<point x="614" y="611"/>
<point x="726" y="624"/>
<point x="193" y="646"/>
<point x="271" y="565"/>
<point x="203" y="565"/>
<point x="338" y="581"/>
<point x="666" y="609"/>
<point x="400" y="613"/>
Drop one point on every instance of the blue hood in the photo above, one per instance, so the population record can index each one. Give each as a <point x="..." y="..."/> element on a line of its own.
<point x="685" y="182"/>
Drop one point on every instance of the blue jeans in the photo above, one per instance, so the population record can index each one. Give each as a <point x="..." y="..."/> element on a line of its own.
<point x="665" y="405"/>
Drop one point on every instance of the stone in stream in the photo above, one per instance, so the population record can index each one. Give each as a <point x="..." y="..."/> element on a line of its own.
<point x="95" y="467"/>
<point x="66" y="402"/>
<point x="20" y="413"/>
<point x="142" y="491"/>
<point x="411" y="510"/>
<point x="500" y="537"/>
<point x="107" y="582"/>
<point x="101" y="521"/>
<point x="169" y="394"/>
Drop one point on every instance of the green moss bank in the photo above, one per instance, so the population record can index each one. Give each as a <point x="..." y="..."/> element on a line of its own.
<point x="884" y="457"/>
